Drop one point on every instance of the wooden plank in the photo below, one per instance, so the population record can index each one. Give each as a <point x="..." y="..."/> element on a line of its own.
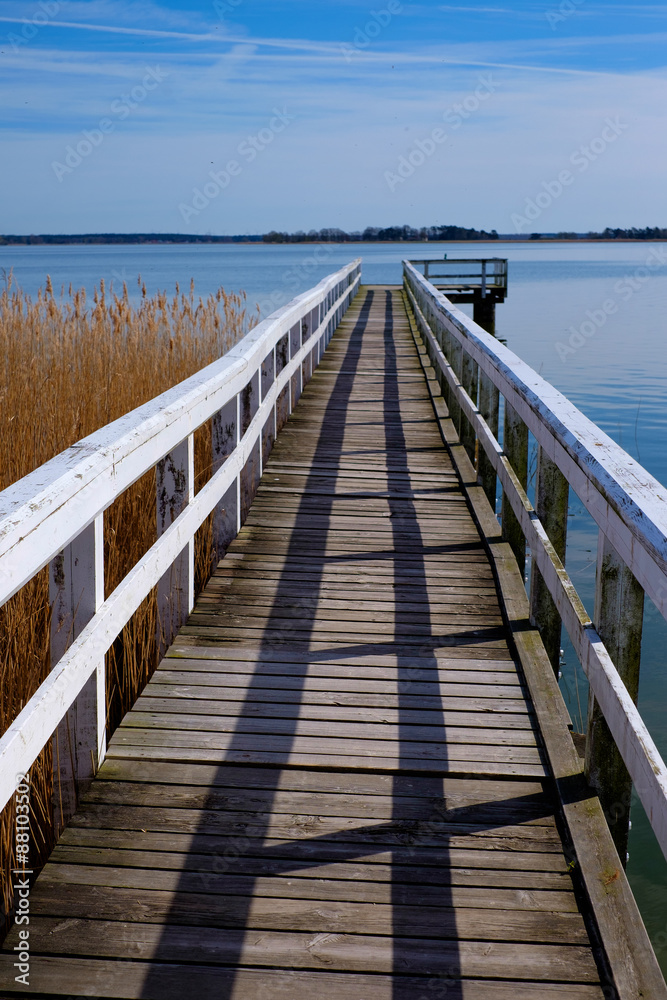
<point x="385" y="731"/>
<point x="209" y="611"/>
<point x="275" y="585"/>
<point x="432" y="680"/>
<point x="376" y="623"/>
<point x="298" y="756"/>
<point x="329" y="746"/>
<point x="275" y="802"/>
<point x="426" y="715"/>
<point x="240" y="614"/>
<point x="495" y="710"/>
<point x="359" y="953"/>
<point x="334" y="687"/>
<point x="217" y="653"/>
<point x="265" y="854"/>
<point x="429" y="670"/>
<point x="316" y="888"/>
<point x="204" y="910"/>
<point x="169" y="981"/>
<point x="457" y="791"/>
<point x="439" y="572"/>
<point x="476" y="641"/>
<point x="253" y="865"/>
<point x="255" y="599"/>
<point x="430" y="829"/>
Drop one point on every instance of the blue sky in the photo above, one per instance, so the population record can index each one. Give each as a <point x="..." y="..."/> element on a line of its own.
<point x="240" y="116"/>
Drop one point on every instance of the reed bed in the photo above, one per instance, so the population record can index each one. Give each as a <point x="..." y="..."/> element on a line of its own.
<point x="68" y="365"/>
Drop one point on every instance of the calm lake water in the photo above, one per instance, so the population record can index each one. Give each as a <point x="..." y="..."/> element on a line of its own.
<point x="617" y="376"/>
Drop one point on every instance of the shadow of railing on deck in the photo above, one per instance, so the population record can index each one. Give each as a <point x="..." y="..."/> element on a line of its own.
<point x="415" y="837"/>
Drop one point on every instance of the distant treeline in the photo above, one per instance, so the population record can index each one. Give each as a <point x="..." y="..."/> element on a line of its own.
<point x="608" y="234"/>
<point x="370" y="234"/>
<point x="33" y="240"/>
<point x="373" y="234"/>
<point x="629" y="234"/>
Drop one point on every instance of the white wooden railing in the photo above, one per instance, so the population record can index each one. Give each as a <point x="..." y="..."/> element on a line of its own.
<point x="54" y="516"/>
<point x="628" y="505"/>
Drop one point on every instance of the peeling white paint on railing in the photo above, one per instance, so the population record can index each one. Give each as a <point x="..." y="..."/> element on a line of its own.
<point x="44" y="513"/>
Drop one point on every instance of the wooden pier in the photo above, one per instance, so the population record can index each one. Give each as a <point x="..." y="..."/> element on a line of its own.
<point x="351" y="777"/>
<point x="481" y="282"/>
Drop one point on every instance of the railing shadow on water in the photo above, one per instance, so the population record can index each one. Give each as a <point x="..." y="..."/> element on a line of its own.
<point x="412" y="839"/>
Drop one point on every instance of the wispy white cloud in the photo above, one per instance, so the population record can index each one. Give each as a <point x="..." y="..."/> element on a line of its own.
<point x="114" y="29"/>
<point x="478" y="10"/>
<point x="352" y="120"/>
<point x="651" y="10"/>
<point x="414" y="57"/>
<point x="655" y="38"/>
<point x="538" y="11"/>
<point x="307" y="61"/>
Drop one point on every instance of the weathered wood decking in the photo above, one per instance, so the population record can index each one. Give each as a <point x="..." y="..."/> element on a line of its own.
<point x="334" y="785"/>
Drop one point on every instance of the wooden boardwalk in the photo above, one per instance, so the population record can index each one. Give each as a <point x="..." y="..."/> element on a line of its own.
<point x="334" y="786"/>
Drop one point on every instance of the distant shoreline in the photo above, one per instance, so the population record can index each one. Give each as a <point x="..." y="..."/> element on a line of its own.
<point x="120" y="240"/>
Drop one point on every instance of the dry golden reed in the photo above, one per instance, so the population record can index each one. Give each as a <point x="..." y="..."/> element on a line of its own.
<point x="68" y="366"/>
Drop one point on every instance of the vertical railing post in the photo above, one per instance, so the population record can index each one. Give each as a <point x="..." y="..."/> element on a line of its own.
<point x="484" y="313"/>
<point x="283" y="402"/>
<point x="175" y="476"/>
<point x="294" y="347"/>
<point x="619" y="612"/>
<point x="551" y="499"/>
<point x="515" y="447"/>
<point x="456" y="362"/>
<point x="469" y="373"/>
<point x="252" y="470"/>
<point x="224" y="439"/>
<point x="488" y="408"/>
<point x="444" y="339"/>
<point x="269" y="430"/>
<point x="76" y="593"/>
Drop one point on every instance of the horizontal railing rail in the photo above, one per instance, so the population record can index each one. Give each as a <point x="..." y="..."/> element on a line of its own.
<point x="627" y="503"/>
<point x="54" y="516"/>
<point x="483" y="273"/>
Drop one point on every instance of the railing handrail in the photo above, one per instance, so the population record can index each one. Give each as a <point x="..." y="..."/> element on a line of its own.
<point x="101" y="460"/>
<point x="54" y="506"/>
<point x="499" y="263"/>
<point x="639" y="504"/>
<point x="627" y="503"/>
